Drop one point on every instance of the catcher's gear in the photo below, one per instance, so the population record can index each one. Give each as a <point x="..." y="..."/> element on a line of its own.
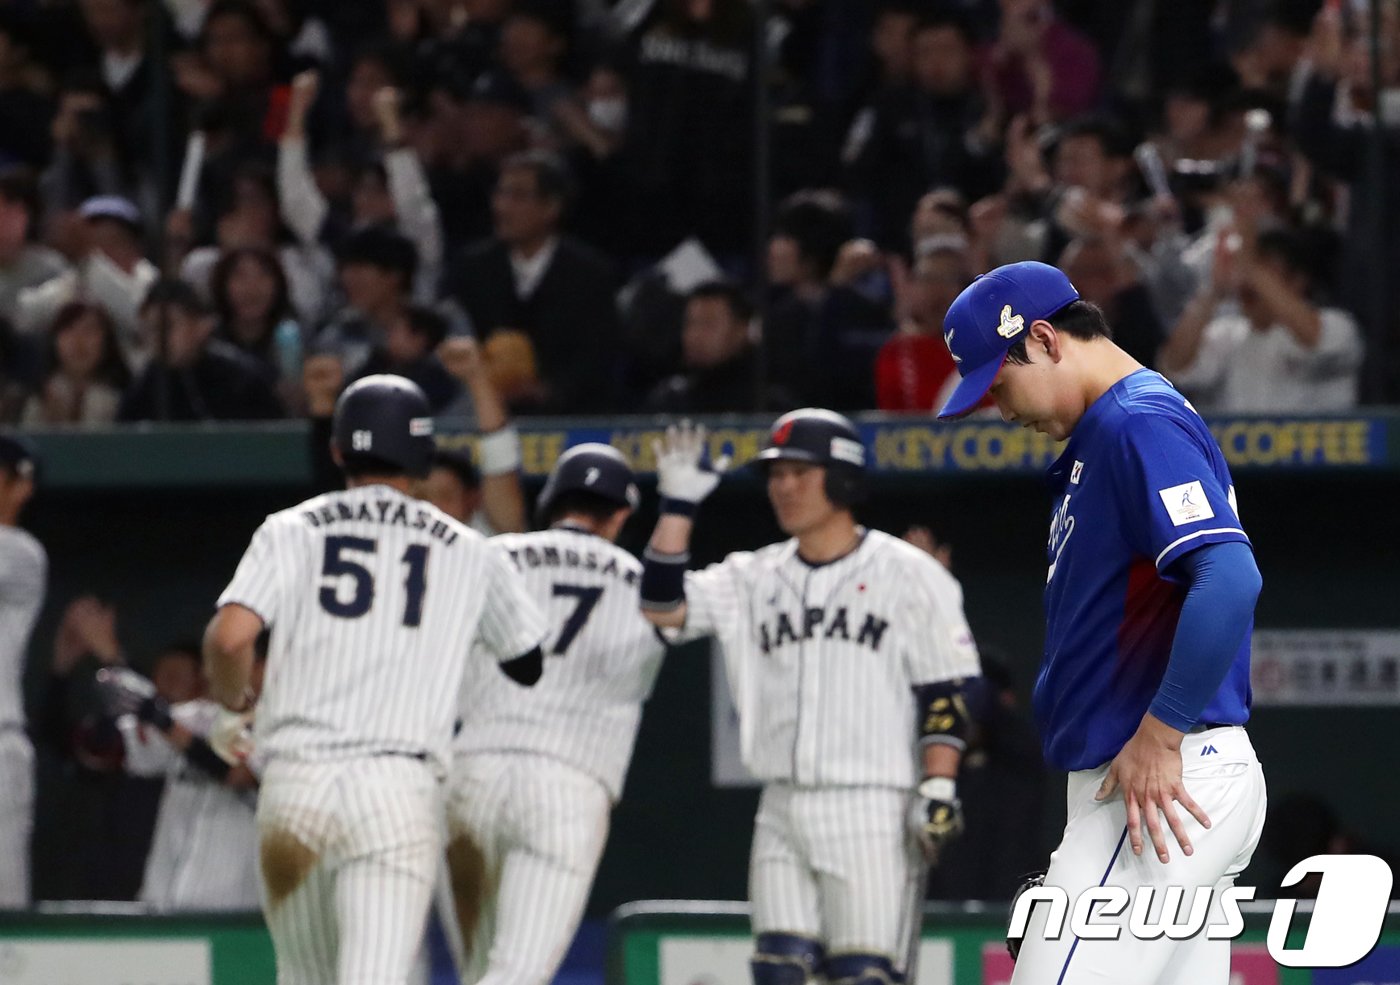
<point x="941" y="818"/>
<point x="386" y="420"/>
<point x="125" y="692"/>
<point x="1032" y="881"/>
<point x="825" y="438"/>
<point x="681" y="473"/>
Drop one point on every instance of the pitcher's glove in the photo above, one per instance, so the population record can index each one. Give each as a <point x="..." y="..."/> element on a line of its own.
<point x="1033" y="880"/>
<point x="125" y="692"/>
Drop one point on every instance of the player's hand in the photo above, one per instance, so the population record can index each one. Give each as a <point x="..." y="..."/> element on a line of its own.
<point x="386" y="114"/>
<point x="855" y="259"/>
<point x="940" y="817"/>
<point x="1148" y="773"/>
<point x="231" y="736"/>
<point x="461" y="357"/>
<point x="681" y="472"/>
<point x="1327" y="44"/>
<point x="95" y="625"/>
<point x="123" y="690"/>
<point x="304" y="87"/>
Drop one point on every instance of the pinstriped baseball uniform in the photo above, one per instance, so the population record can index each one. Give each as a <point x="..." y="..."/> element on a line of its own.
<point x="821" y="661"/>
<point x="376" y="600"/>
<point x="204" y="852"/>
<point x="24" y="569"/>
<point x="536" y="770"/>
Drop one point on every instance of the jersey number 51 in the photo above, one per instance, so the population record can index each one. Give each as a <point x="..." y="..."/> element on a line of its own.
<point x="337" y="566"/>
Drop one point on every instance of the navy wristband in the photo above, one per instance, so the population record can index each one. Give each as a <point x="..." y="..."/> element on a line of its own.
<point x="680" y="507"/>
<point x="663" y="580"/>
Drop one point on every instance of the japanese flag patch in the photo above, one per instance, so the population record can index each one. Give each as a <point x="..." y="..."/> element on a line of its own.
<point x="1186" y="503"/>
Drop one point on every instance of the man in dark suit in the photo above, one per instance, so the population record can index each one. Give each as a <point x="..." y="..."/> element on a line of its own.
<point x="553" y="293"/>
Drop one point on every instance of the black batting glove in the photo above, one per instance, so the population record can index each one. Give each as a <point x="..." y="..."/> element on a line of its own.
<point x="155" y="711"/>
<point x="942" y="817"/>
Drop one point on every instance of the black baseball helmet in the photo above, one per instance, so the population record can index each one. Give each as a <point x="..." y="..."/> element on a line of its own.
<point x="825" y="438"/>
<point x="18" y="455"/>
<point x="592" y="468"/>
<point x="385" y="420"/>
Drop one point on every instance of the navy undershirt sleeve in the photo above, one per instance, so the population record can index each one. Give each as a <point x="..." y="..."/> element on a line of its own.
<point x="1215" y="616"/>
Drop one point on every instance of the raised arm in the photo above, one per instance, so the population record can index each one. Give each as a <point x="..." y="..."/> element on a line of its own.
<point x="303" y="206"/>
<point x="408" y="187"/>
<point x="499" y="445"/>
<point x="683" y="480"/>
<point x="1182" y="347"/>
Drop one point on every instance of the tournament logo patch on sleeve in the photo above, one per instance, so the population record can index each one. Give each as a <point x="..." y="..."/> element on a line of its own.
<point x="1186" y="503"/>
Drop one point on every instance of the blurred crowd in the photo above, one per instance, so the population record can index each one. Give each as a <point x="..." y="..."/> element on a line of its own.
<point x="226" y="209"/>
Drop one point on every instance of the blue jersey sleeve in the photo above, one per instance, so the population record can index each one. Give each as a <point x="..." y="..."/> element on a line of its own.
<point x="1174" y="495"/>
<point x="1216" y="617"/>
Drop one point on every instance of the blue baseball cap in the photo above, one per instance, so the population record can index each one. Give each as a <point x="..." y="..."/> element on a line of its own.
<point x="991" y="315"/>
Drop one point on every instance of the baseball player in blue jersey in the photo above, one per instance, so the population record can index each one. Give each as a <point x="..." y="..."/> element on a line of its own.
<point x="1143" y="691"/>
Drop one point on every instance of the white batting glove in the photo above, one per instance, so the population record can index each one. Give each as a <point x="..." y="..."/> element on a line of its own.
<point x="681" y="473"/>
<point x="231" y="736"/>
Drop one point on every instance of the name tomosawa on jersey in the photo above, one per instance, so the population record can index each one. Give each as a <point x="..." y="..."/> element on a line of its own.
<point x="813" y="624"/>
<point x="384" y="511"/>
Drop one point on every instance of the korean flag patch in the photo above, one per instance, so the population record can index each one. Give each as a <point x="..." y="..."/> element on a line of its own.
<point x="1186" y="503"/>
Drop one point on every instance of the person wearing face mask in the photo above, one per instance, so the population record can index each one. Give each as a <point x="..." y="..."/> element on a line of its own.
<point x="594" y="126"/>
<point x="596" y="121"/>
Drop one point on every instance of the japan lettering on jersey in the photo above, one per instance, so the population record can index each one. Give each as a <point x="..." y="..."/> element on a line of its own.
<point x="601" y="660"/>
<point x="821" y="658"/>
<point x="1140" y="483"/>
<point x="376" y="598"/>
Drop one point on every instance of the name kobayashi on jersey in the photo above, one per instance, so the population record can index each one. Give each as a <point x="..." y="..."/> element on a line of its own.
<point x="386" y="512"/>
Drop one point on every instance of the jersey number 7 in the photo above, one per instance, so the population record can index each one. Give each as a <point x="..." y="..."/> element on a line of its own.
<point x="336" y="565"/>
<point x="583" y="608"/>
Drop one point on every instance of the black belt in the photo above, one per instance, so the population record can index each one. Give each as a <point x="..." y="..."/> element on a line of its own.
<point x="1207" y="726"/>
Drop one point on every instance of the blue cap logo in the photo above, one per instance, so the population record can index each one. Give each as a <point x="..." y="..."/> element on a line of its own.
<point x="990" y="315"/>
